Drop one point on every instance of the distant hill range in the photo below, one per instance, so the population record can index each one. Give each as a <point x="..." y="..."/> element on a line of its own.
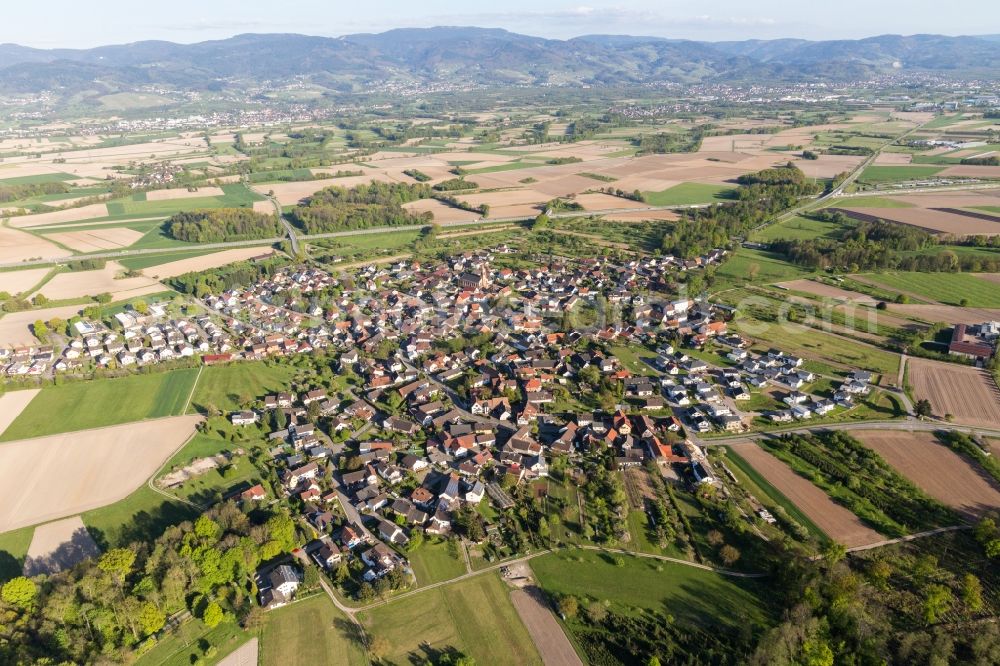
<point x="485" y="56"/>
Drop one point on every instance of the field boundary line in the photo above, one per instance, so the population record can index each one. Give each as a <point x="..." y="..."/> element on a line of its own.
<point x="197" y="378"/>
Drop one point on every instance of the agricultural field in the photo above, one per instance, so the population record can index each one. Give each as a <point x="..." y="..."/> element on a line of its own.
<point x="474" y="616"/>
<point x="690" y="194"/>
<point x="831" y="518"/>
<point x="948" y="288"/>
<point x="878" y="175"/>
<point x="310" y="632"/>
<point x="937" y="470"/>
<point x="969" y="394"/>
<point x="51" y="477"/>
<point x="103" y="402"/>
<point x="12" y="404"/>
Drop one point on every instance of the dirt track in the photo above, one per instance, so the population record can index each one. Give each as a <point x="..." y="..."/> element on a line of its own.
<point x="839" y="524"/>
<point x="966" y="393"/>
<point x="936" y="469"/>
<point x="545" y="631"/>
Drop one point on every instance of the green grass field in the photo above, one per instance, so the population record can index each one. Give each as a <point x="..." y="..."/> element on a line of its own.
<point x="223" y="386"/>
<point x="150" y="260"/>
<point x="758" y="266"/>
<point x="235" y="196"/>
<point x="142" y="516"/>
<point x="309" y="633"/>
<point x="895" y="174"/>
<point x="37" y="180"/>
<point x="811" y="343"/>
<point x="435" y="562"/>
<point x="688" y="194"/>
<point x="798" y="228"/>
<point x="948" y="288"/>
<point x="103" y="402"/>
<point x="474" y="616"/>
<point x="696" y="596"/>
<point x="873" y="202"/>
<point x="13" y="549"/>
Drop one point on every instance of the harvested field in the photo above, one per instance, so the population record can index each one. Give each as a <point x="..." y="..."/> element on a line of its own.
<point x="245" y="655"/>
<point x="264" y="207"/>
<point x="52" y="477"/>
<point x="837" y="522"/>
<point x="15" y="327"/>
<point x="607" y="202"/>
<point x="289" y="194"/>
<point x="443" y="214"/>
<point x="59" y="546"/>
<point x="206" y="261"/>
<point x="972" y="171"/>
<point x="96" y="240"/>
<point x="642" y="216"/>
<point x="828" y="166"/>
<point x="178" y="193"/>
<point x="967" y="393"/>
<point x="545" y="631"/>
<point x="827" y="291"/>
<point x="88" y="283"/>
<point x="957" y="199"/>
<point x="937" y="470"/>
<point x="12" y="404"/>
<point x="948" y="314"/>
<point x="933" y="221"/>
<point x="14" y="282"/>
<point x="891" y="159"/>
<point x="67" y="215"/>
<point x="17" y="246"/>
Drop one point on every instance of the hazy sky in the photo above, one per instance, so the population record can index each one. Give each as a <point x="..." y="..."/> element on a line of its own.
<point x="73" y="23"/>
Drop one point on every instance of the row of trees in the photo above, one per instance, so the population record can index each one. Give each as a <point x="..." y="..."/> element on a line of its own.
<point x="223" y="224"/>
<point x="15" y="192"/>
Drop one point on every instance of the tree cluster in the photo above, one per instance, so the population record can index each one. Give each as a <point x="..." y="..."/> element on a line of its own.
<point x="223" y="224"/>
<point x="364" y="206"/>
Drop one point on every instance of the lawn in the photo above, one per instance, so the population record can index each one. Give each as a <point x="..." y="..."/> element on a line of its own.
<point x="435" y="562"/>
<point x="224" y="386"/>
<point x="691" y="595"/>
<point x="948" y="288"/>
<point x="474" y="616"/>
<point x="310" y="632"/>
<point x="689" y="194"/>
<point x="103" y="402"/>
<point x="893" y="174"/>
